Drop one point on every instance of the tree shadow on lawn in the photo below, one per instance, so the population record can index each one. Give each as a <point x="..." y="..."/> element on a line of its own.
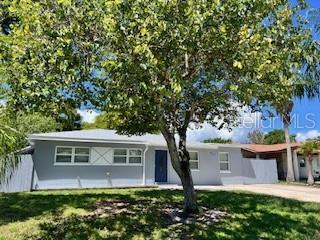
<point x="258" y="216"/>
<point x="143" y="220"/>
<point x="253" y="216"/>
<point x="22" y="206"/>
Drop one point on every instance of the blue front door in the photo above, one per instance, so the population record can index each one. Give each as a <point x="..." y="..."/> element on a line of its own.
<point x="161" y="166"/>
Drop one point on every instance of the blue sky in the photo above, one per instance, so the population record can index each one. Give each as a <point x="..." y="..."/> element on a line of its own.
<point x="306" y="117"/>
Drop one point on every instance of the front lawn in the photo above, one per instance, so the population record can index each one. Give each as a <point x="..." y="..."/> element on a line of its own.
<point x="77" y="214"/>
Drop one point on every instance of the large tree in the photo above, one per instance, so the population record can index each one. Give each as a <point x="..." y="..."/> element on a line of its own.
<point x="161" y="65"/>
<point x="19" y="91"/>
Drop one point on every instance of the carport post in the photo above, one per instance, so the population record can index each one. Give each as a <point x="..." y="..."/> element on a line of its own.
<point x="295" y="164"/>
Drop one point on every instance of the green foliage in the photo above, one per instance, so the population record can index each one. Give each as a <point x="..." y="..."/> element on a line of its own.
<point x="309" y="147"/>
<point x="19" y="76"/>
<point x="256" y="137"/>
<point x="10" y="141"/>
<point x="35" y="123"/>
<point x="277" y="136"/>
<point x="217" y="140"/>
<point x="68" y="120"/>
<point x="13" y="133"/>
<point x="106" y="120"/>
<point x="168" y="63"/>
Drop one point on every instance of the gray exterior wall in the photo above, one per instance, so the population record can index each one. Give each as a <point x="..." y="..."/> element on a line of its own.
<point x="243" y="170"/>
<point x="50" y="176"/>
<point x="20" y="179"/>
<point x="47" y="175"/>
<point x="209" y="168"/>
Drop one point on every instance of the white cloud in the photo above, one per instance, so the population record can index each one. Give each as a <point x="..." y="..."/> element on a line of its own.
<point x="248" y="122"/>
<point x="307" y="135"/>
<point x="88" y="115"/>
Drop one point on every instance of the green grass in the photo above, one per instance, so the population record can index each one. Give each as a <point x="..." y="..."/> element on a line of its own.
<point x="65" y="214"/>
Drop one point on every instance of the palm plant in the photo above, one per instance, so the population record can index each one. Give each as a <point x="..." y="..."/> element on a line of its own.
<point x="10" y="141"/>
<point x="301" y="69"/>
<point x="307" y="150"/>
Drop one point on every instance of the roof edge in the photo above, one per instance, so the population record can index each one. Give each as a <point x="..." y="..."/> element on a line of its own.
<point x="67" y="139"/>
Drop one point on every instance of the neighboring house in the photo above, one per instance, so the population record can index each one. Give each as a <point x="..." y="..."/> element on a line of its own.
<point x="102" y="158"/>
<point x="279" y="152"/>
<point x="303" y="172"/>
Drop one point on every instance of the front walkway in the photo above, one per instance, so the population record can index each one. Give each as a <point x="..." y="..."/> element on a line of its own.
<point x="302" y="193"/>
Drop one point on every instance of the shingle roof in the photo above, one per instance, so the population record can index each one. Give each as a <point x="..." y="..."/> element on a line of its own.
<point x="104" y="135"/>
<point x="97" y="134"/>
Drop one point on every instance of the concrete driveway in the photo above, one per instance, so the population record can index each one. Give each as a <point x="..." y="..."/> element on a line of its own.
<point x="302" y="193"/>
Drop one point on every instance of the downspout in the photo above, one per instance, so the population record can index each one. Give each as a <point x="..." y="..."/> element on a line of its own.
<point x="144" y="166"/>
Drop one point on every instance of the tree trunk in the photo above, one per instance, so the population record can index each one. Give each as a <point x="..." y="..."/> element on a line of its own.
<point x="190" y="200"/>
<point x="180" y="162"/>
<point x="309" y="167"/>
<point x="290" y="171"/>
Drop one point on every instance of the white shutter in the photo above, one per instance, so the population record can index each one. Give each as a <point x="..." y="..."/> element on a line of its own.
<point x="101" y="156"/>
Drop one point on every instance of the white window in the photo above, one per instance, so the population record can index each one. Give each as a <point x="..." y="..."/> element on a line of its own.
<point x="120" y="156"/>
<point x="63" y="154"/>
<point x="194" y="160"/>
<point x="72" y="155"/>
<point x="81" y="155"/>
<point x="135" y="156"/>
<point x="224" y="162"/>
<point x="127" y="156"/>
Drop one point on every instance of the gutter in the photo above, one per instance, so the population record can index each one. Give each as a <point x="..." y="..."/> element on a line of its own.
<point x="144" y="165"/>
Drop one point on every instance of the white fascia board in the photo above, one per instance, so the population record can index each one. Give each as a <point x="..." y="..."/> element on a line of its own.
<point x="192" y="146"/>
<point x="38" y="138"/>
<point x="31" y="139"/>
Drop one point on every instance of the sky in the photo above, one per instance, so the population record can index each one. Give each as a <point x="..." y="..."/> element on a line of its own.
<point x="305" y="118"/>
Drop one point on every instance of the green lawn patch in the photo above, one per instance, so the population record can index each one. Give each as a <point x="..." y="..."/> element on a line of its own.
<point x="84" y="214"/>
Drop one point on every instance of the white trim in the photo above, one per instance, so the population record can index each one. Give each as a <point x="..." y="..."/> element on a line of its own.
<point x="38" y="138"/>
<point x="113" y="155"/>
<point x="229" y="162"/>
<point x="72" y="164"/>
<point x="192" y="160"/>
<point x="127" y="163"/>
<point x="32" y="138"/>
<point x="73" y="154"/>
<point x="144" y="166"/>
